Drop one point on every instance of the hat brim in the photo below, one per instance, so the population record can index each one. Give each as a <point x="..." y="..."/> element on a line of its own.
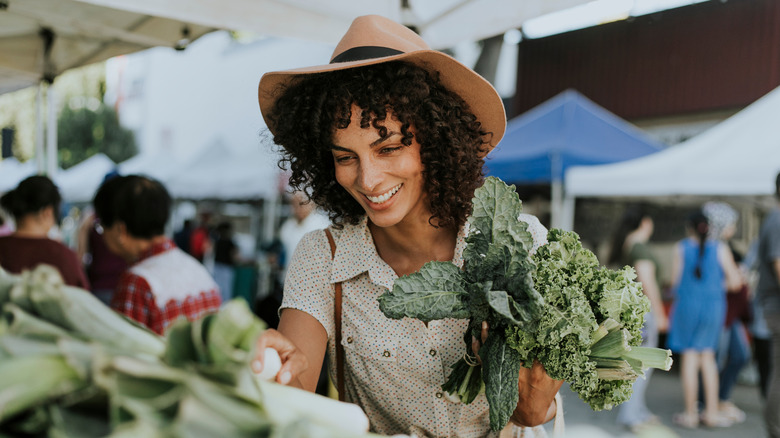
<point x="476" y="91"/>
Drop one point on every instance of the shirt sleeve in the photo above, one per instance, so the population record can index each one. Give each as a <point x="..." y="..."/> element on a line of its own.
<point x="133" y="298"/>
<point x="640" y="252"/>
<point x="537" y="230"/>
<point x="307" y="285"/>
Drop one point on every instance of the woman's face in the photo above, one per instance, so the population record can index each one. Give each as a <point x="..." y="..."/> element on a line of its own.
<point x="383" y="175"/>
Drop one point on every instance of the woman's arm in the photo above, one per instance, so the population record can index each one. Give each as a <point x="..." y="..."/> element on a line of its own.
<point x="301" y="342"/>
<point x="645" y="273"/>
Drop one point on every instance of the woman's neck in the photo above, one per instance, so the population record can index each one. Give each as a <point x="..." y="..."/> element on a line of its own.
<point x="407" y="247"/>
<point x="32" y="227"/>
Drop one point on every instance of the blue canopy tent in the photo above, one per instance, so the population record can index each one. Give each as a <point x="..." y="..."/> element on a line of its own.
<point x="567" y="130"/>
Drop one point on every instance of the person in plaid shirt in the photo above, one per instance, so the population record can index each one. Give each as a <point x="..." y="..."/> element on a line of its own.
<point x="162" y="282"/>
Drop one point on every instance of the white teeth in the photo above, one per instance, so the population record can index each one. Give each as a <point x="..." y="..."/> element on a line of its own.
<point x="382" y="198"/>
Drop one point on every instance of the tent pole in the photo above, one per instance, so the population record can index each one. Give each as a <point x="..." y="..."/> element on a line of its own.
<point x="567" y="212"/>
<point x="39" y="152"/>
<point x="555" y="204"/>
<point x="51" y="133"/>
<point x="556" y="165"/>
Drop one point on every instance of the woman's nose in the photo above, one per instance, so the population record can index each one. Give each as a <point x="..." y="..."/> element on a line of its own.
<point x="370" y="175"/>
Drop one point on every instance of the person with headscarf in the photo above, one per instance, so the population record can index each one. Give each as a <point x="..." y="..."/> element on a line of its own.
<point x="734" y="347"/>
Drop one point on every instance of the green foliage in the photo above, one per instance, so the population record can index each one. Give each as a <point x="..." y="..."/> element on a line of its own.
<point x="83" y="132"/>
<point x="72" y="367"/>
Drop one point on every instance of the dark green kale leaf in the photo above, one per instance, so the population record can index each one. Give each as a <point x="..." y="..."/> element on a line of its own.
<point x="500" y="369"/>
<point x="436" y="291"/>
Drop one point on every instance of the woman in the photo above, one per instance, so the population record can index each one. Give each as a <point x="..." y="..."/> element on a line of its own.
<point x="630" y="247"/>
<point x="390" y="139"/>
<point x="34" y="204"/>
<point x="699" y="269"/>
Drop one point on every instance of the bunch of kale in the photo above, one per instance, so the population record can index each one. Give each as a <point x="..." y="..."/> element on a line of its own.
<point x="580" y="320"/>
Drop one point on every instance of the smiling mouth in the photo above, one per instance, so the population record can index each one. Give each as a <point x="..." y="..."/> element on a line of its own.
<point x="383" y="198"/>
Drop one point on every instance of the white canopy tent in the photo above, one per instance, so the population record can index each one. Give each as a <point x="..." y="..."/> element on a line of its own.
<point x="442" y="23"/>
<point x="40" y="39"/>
<point x="12" y="172"/>
<point x="224" y="173"/>
<point x="738" y="157"/>
<point x="160" y="166"/>
<point x="80" y="182"/>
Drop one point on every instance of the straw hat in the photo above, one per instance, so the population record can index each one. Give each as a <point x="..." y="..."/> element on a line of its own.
<point x="372" y="39"/>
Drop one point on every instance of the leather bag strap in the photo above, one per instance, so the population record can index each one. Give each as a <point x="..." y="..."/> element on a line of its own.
<point x="337" y="322"/>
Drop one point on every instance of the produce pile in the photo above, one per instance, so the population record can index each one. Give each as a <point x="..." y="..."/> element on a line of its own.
<point x="559" y="306"/>
<point x="72" y="367"/>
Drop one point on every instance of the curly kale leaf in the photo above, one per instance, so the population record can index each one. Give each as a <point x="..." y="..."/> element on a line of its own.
<point x="620" y="297"/>
<point x="436" y="291"/>
<point x="579" y="294"/>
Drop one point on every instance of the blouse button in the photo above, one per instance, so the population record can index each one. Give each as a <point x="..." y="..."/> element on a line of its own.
<point x="439" y="395"/>
<point x="349" y="340"/>
<point x="386" y="353"/>
<point x="432" y="352"/>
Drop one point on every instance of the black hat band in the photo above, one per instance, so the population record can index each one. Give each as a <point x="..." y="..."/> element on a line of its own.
<point x="361" y="53"/>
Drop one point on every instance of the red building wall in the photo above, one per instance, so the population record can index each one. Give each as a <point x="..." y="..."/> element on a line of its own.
<point x="704" y="57"/>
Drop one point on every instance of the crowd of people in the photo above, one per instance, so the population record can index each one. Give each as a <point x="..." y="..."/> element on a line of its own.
<point x="716" y="320"/>
<point x="123" y="265"/>
<point x="389" y="139"/>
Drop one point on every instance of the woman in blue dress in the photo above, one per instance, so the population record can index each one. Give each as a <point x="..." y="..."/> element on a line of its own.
<point x="702" y="272"/>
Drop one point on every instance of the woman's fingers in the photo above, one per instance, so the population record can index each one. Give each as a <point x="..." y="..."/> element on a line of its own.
<point x="476" y="344"/>
<point x="293" y="361"/>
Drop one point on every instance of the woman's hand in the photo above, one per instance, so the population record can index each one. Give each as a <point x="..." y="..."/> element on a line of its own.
<point x="537" y="395"/>
<point x="293" y="361"/>
<point x="537" y="390"/>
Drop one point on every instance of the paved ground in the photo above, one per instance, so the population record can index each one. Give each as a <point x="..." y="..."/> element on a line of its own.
<point x="664" y="398"/>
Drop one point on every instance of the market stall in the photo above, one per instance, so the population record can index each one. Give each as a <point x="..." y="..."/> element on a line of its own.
<point x="567" y="130"/>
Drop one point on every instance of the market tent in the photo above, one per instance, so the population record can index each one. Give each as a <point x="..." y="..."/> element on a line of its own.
<point x="160" y="166"/>
<point x="80" y="182"/>
<point x="565" y="131"/>
<point x="12" y="172"/>
<point x="737" y="157"/>
<point x="39" y="39"/>
<point x="225" y="173"/>
<point x="442" y="23"/>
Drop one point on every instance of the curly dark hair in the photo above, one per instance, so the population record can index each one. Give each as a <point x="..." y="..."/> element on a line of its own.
<point x="452" y="141"/>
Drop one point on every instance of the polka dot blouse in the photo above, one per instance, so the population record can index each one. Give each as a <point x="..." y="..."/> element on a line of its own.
<point x="393" y="369"/>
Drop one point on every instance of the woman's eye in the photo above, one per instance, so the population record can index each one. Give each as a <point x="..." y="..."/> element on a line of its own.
<point x="343" y="159"/>
<point x="389" y="150"/>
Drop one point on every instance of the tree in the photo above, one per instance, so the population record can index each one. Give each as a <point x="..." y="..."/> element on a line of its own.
<point x="84" y="132"/>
